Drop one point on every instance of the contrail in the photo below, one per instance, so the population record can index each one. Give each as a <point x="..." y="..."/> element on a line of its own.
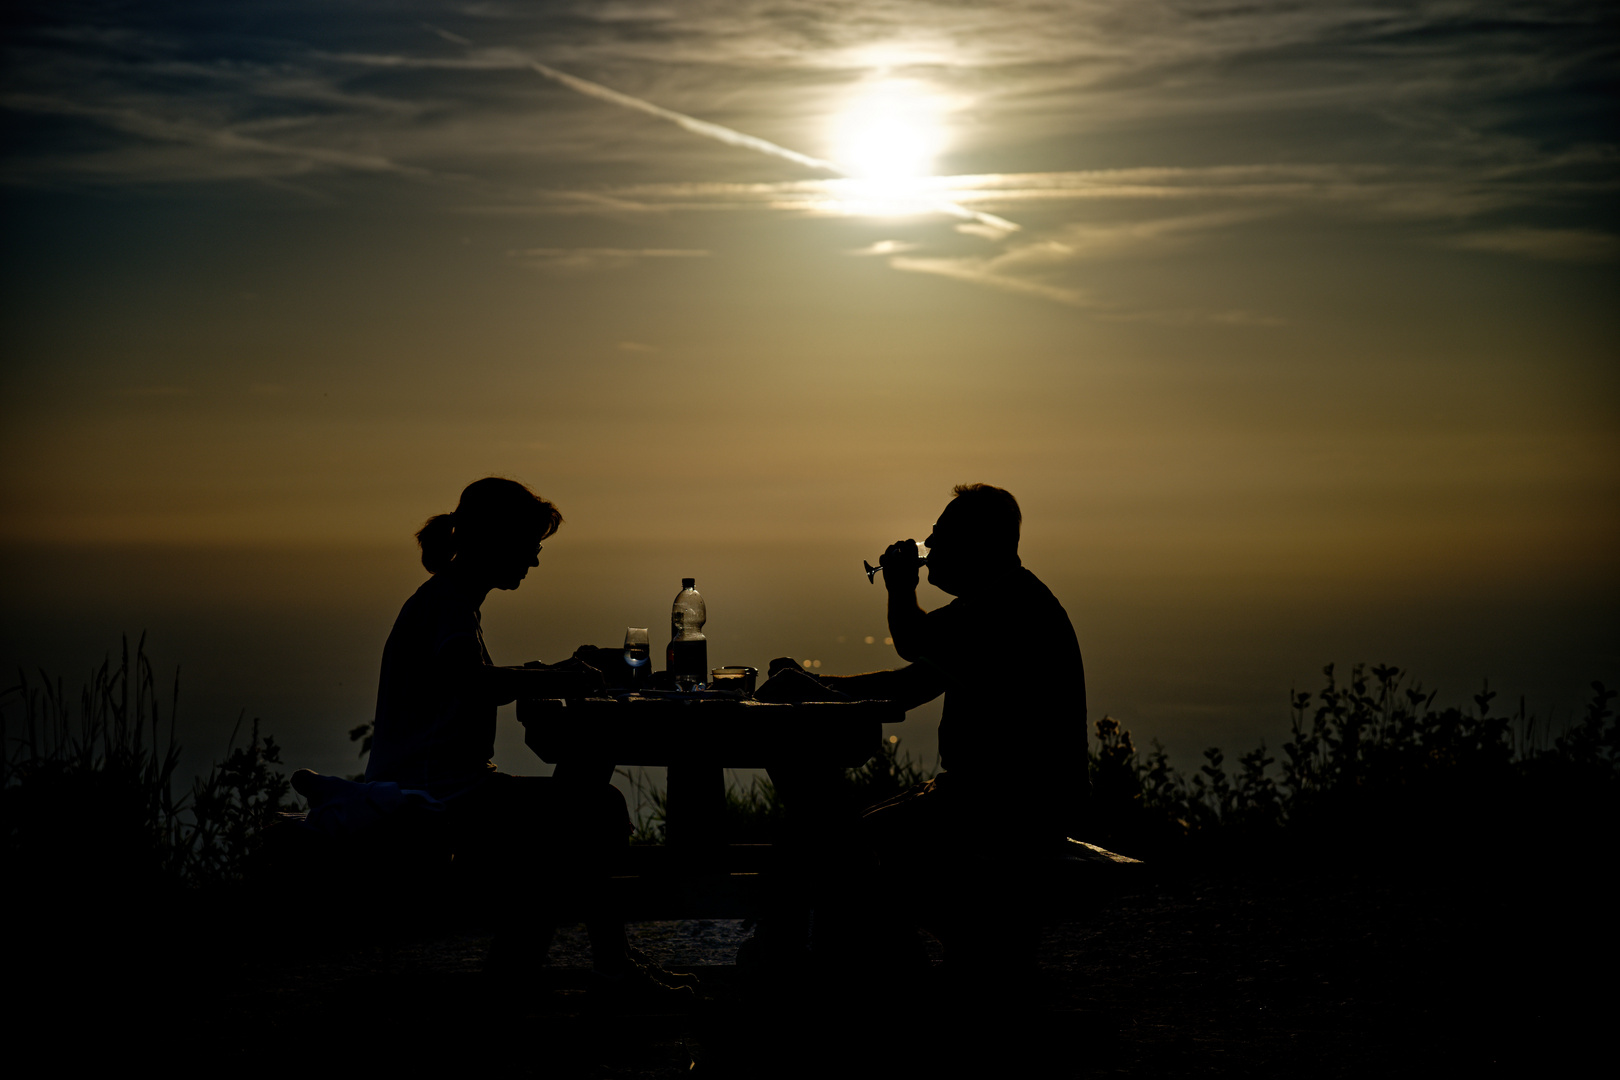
<point x="729" y="136"/>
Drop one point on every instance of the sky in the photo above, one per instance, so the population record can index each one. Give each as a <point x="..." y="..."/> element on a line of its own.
<point x="1291" y="326"/>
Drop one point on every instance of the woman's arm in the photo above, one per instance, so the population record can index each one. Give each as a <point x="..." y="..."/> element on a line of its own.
<point x="465" y="669"/>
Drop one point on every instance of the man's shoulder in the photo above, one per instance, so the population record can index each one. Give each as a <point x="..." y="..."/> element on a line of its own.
<point x="1026" y="581"/>
<point x="1021" y="588"/>
<point x="1034" y="590"/>
<point x="1031" y="602"/>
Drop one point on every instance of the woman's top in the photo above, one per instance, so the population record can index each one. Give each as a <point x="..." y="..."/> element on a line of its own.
<point x="430" y="731"/>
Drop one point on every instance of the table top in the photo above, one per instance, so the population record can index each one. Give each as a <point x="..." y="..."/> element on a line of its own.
<point x="730" y="733"/>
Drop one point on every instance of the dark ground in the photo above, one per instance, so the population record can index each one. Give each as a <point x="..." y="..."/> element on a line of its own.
<point x="1497" y="971"/>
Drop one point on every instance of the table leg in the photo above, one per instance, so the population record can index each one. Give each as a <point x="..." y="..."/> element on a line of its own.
<point x="697" y="800"/>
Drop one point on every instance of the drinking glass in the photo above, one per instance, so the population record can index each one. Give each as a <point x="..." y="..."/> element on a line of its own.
<point x="637" y="652"/>
<point x="873" y="571"/>
<point x="736" y="679"/>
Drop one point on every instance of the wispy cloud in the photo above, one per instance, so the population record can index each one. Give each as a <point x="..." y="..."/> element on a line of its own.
<point x="1435" y="79"/>
<point x="223" y="139"/>
<point x="717" y="132"/>
<point x="1149" y="237"/>
<point x="1045" y="268"/>
<point x="885" y="247"/>
<point x="570" y="262"/>
<point x="996" y="273"/>
<point x="1371" y="191"/>
<point x="733" y="137"/>
<point x="1344" y="108"/>
<point x="159" y="391"/>
<point x="1557" y="245"/>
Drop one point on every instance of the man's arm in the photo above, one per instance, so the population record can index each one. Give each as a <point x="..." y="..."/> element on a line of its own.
<point x="907" y="687"/>
<point x="908" y="622"/>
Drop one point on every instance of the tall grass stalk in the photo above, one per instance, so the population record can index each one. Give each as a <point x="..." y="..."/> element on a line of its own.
<point x="96" y="784"/>
<point x="754" y="811"/>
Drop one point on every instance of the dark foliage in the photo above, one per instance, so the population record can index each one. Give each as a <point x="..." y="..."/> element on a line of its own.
<point x="88" y="799"/>
<point x="753" y="814"/>
<point x="90" y="793"/>
<point x="1373" y="763"/>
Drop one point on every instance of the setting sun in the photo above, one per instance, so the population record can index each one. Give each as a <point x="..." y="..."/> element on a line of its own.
<point x="887" y="137"/>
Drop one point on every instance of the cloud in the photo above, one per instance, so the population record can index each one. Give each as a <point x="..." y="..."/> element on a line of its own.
<point x="718" y="132"/>
<point x="1244" y="318"/>
<point x="1555" y="245"/>
<point x="573" y="262"/>
<point x="983" y="232"/>
<point x="996" y="273"/>
<point x="1034" y="267"/>
<point x="221" y="140"/>
<point x="162" y="391"/>
<point x="1147" y="238"/>
<point x="885" y="247"/>
<point x="1361" y="112"/>
<point x="1434" y="93"/>
<point x="1045" y="267"/>
<point x="733" y="137"/>
<point x="1382" y="192"/>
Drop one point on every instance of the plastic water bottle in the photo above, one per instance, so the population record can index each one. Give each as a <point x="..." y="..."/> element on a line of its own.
<point x="687" y="657"/>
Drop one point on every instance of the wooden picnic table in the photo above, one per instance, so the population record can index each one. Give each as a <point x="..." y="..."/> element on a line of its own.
<point x="696" y="874"/>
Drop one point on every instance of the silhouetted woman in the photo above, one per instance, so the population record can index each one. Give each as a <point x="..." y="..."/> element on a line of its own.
<point x="540" y="842"/>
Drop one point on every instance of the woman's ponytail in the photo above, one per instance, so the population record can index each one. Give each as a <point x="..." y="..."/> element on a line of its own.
<point x="438" y="541"/>
<point x="493" y="509"/>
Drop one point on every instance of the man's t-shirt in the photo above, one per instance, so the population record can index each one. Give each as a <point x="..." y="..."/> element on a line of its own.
<point x="428" y="732"/>
<point x="1015" y="690"/>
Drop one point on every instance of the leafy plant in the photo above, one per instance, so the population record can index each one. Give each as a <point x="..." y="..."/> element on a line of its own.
<point x="753" y="814"/>
<point x="1373" y="761"/>
<point x="89" y="794"/>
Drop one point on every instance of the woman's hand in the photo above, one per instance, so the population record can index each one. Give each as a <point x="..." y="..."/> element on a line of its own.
<point x="575" y="678"/>
<point x="571" y="678"/>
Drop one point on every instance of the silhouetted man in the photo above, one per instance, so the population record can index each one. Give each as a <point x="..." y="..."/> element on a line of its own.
<point x="1012" y="736"/>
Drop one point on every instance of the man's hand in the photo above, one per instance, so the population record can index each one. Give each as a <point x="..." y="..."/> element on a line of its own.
<point x="900" y="570"/>
<point x="789" y="682"/>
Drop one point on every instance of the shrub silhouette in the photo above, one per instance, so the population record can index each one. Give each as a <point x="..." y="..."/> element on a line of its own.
<point x="88" y="798"/>
<point x="754" y="813"/>
<point x="1373" y="763"/>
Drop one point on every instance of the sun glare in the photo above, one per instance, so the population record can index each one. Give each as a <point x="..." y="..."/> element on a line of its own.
<point x="887" y="136"/>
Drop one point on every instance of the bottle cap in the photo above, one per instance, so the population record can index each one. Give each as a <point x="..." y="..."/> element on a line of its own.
<point x="688" y="583"/>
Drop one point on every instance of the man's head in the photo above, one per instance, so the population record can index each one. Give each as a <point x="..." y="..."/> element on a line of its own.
<point x="975" y="538"/>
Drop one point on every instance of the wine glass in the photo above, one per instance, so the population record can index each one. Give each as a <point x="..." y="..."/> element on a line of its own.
<point x="637" y="651"/>
<point x="873" y="571"/>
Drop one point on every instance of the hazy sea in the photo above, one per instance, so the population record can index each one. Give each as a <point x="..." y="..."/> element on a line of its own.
<point x="293" y="637"/>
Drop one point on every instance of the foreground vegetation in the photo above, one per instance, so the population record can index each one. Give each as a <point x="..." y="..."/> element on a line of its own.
<point x="89" y="794"/>
<point x="1372" y="762"/>
<point x="754" y="811"/>
<point x="91" y="791"/>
